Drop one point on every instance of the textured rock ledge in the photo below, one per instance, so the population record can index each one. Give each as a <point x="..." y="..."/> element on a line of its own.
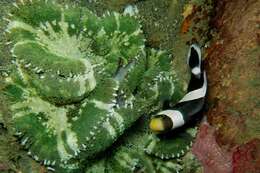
<point x="232" y="63"/>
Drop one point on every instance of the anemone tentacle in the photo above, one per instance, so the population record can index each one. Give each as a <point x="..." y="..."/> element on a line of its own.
<point x="170" y="146"/>
<point x="78" y="81"/>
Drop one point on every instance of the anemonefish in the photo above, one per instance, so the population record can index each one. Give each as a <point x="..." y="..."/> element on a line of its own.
<point x="191" y="103"/>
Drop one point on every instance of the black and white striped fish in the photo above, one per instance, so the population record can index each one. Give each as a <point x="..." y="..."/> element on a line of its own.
<point x="191" y="103"/>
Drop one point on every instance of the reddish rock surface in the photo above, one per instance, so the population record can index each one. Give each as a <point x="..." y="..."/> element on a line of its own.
<point x="212" y="157"/>
<point x="246" y="158"/>
<point x="232" y="64"/>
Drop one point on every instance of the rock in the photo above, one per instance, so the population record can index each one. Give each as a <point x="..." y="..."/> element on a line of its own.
<point x="246" y="158"/>
<point x="232" y="64"/>
<point x="214" y="159"/>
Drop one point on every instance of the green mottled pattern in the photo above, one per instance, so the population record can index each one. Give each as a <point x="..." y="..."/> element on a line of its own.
<point x="79" y="81"/>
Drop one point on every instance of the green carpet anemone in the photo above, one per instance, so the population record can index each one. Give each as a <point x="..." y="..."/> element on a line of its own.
<point x="78" y="83"/>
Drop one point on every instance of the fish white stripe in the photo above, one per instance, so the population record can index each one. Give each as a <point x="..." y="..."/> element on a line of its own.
<point x="176" y="117"/>
<point x="196" y="94"/>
